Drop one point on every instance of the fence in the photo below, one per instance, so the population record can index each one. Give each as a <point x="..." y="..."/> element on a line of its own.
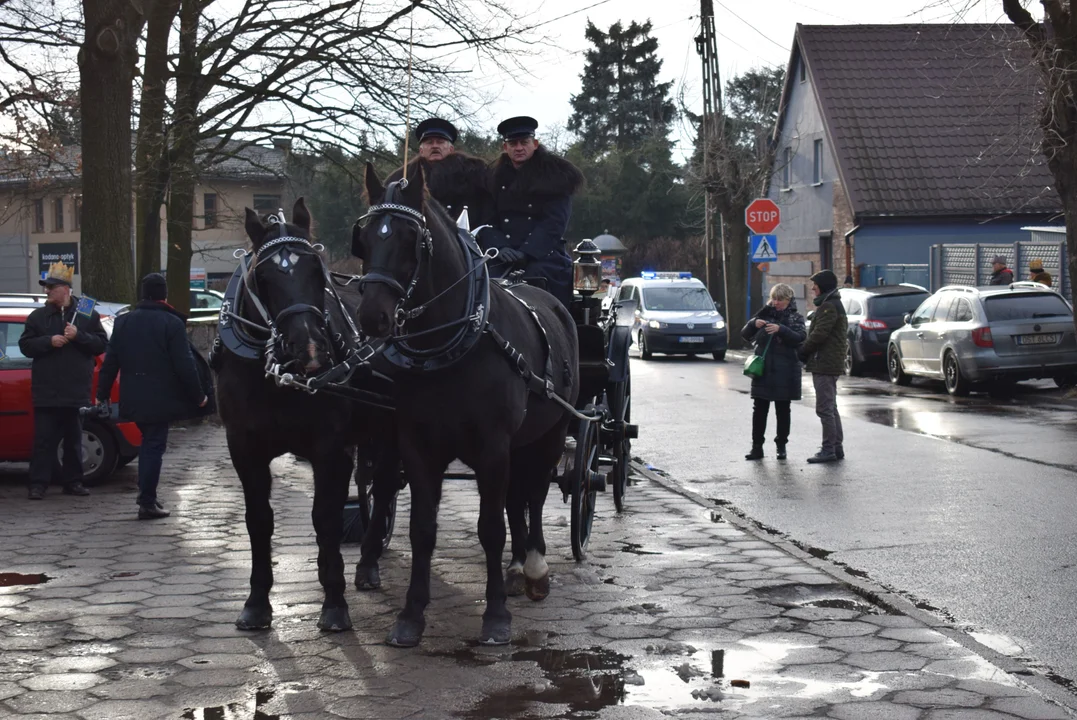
<point x="972" y="264"/>
<point x="872" y="275"/>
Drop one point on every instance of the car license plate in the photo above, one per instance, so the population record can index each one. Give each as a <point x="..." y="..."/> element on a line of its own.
<point x="692" y="339"/>
<point x="1046" y="339"/>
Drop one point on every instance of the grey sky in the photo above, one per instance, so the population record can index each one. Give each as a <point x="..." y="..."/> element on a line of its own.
<point x="751" y="33"/>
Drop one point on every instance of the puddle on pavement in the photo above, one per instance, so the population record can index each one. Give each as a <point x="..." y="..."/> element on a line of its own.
<point x="17" y="579"/>
<point x="819" y="596"/>
<point x="251" y="708"/>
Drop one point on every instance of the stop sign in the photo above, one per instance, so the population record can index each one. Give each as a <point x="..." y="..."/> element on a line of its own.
<point x="762" y="216"/>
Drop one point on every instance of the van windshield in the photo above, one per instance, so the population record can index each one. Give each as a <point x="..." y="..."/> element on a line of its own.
<point x="677" y="298"/>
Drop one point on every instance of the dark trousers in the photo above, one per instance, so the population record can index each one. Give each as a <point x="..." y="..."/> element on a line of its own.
<point x="759" y="422"/>
<point x="51" y="426"/>
<point x="150" y="457"/>
<point x="826" y="407"/>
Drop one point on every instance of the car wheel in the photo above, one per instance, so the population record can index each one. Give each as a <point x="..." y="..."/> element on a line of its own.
<point x="643" y="351"/>
<point x="718" y="355"/>
<point x="99" y="454"/>
<point x="852" y="367"/>
<point x="956" y="383"/>
<point x="895" y="368"/>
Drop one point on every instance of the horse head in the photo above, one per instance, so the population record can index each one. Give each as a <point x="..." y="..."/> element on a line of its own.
<point x="392" y="244"/>
<point x="288" y="277"/>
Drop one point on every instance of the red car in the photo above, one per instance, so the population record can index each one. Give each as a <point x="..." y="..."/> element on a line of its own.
<point x="106" y="444"/>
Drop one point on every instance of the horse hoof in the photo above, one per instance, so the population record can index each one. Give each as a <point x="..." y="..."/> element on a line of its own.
<point x="405" y="634"/>
<point x="514" y="582"/>
<point x="538" y="589"/>
<point x="496" y="632"/>
<point x="255" y="618"/>
<point x="335" y="619"/>
<point x="367" y="578"/>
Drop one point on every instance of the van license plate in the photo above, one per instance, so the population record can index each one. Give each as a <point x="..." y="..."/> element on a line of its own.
<point x="693" y="339"/>
<point x="1047" y="339"/>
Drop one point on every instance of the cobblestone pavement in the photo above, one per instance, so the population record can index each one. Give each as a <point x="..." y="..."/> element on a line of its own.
<point x="676" y="613"/>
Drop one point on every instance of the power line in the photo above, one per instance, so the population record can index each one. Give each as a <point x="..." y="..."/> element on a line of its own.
<point x="753" y="27"/>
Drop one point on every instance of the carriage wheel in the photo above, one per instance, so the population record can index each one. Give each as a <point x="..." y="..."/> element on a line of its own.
<point x="364" y="479"/>
<point x="583" y="490"/>
<point x="619" y="399"/>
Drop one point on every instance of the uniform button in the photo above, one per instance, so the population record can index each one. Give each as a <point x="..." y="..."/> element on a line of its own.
<point x="507" y="235"/>
<point x="502" y="187"/>
<point x="528" y="204"/>
<point x="506" y="219"/>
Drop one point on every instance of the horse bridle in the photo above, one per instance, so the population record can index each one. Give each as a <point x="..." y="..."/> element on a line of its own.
<point x="339" y="371"/>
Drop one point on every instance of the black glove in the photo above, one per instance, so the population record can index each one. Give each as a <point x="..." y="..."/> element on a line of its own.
<point x="512" y="256"/>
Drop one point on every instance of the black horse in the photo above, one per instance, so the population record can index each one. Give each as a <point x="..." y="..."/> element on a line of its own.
<point x="463" y="348"/>
<point x="283" y="294"/>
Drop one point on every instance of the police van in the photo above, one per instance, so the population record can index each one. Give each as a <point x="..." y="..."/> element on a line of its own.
<point x="675" y="315"/>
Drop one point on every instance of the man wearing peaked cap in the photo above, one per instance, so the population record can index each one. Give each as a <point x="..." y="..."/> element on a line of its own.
<point x="533" y="200"/>
<point x="454" y="179"/>
<point x="63" y="345"/>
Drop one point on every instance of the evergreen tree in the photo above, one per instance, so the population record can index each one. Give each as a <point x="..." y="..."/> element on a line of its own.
<point x="621" y="103"/>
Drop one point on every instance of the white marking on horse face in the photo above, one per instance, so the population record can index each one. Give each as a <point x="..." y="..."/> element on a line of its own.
<point x="536" y="567"/>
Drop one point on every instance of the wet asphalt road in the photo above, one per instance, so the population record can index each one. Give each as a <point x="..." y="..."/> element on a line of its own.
<point x="967" y="505"/>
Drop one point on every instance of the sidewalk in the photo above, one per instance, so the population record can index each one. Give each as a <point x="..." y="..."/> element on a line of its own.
<point x="677" y="613"/>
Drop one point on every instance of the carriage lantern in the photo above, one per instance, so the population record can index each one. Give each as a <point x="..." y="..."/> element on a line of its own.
<point x="587" y="270"/>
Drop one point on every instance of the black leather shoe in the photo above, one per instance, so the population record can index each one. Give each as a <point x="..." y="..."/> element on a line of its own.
<point x="152" y="512"/>
<point x="781" y="452"/>
<point x="839" y="452"/>
<point x="822" y="457"/>
<point x="37" y="492"/>
<point x="76" y="488"/>
<point x="755" y="454"/>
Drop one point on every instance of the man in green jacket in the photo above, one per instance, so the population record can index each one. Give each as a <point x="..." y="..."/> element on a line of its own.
<point x="824" y="353"/>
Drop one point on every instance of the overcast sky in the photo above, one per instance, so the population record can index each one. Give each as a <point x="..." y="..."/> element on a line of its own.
<point x="751" y="33"/>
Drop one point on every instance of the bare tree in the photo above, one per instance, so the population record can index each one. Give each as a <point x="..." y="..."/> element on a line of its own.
<point x="1054" y="47"/>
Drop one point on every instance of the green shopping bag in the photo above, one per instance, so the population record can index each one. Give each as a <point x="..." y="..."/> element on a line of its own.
<point x="753" y="366"/>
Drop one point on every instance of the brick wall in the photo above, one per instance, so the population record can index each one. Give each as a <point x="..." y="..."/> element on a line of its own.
<point x="843" y="223"/>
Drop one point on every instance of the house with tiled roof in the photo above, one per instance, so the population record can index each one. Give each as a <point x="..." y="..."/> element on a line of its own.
<point x="894" y="138"/>
<point x="41" y="209"/>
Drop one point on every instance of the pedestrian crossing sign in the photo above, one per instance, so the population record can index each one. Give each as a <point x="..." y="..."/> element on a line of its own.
<point x="85" y="306"/>
<point x="764" y="248"/>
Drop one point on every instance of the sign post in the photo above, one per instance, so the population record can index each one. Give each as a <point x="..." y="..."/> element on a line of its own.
<point x="762" y="216"/>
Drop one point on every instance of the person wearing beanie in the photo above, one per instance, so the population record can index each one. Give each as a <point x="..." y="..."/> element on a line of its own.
<point x="824" y="354"/>
<point x="1001" y="275"/>
<point x="159" y="384"/>
<point x="1037" y="273"/>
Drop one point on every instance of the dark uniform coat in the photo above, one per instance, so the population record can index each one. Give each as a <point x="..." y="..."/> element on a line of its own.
<point x="1042" y="277"/>
<point x="160" y="381"/>
<point x="62" y="377"/>
<point x="781" y="366"/>
<point x="456" y="181"/>
<point x="533" y="205"/>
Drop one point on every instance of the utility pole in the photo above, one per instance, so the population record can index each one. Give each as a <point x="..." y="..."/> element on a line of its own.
<point x="707" y="47"/>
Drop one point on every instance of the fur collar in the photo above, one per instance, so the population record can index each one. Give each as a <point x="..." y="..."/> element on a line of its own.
<point x="448" y="177"/>
<point x="544" y="174"/>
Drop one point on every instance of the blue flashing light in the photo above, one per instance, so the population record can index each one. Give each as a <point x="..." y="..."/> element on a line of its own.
<point x="646" y="275"/>
<point x="678" y="275"/>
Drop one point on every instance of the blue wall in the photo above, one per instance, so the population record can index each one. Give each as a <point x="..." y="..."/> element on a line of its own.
<point x="911" y="242"/>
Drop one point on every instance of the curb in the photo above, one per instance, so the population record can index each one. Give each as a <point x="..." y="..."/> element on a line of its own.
<point x="1039" y="679"/>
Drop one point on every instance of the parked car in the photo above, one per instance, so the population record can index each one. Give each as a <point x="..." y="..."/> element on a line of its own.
<point x="873" y="314"/>
<point x="965" y="335"/>
<point x="674" y="315"/>
<point x="206" y="303"/>
<point x="106" y="443"/>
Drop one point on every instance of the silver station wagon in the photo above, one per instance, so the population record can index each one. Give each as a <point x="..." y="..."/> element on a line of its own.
<point x="1001" y="334"/>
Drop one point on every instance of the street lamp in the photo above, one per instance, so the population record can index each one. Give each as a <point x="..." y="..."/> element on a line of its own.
<point x="586" y="270"/>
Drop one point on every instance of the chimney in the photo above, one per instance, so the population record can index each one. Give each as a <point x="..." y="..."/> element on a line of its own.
<point x="283" y="143"/>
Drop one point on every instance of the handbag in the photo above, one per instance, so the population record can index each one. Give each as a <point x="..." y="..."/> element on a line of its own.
<point x="753" y="366"/>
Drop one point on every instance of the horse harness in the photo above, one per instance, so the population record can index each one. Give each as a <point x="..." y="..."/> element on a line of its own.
<point x="234" y="330"/>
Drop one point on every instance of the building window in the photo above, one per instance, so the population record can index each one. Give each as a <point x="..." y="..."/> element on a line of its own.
<point x="817" y="167"/>
<point x="266" y="203"/>
<point x="59" y="219"/>
<point x="787" y="168"/>
<point x="39" y="216"/>
<point x="209" y="206"/>
<point x="803" y="70"/>
<point x="77" y="220"/>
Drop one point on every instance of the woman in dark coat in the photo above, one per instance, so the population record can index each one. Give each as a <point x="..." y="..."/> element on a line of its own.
<point x="782" y="326"/>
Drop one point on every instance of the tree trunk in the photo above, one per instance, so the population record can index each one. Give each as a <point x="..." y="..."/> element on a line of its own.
<point x="107" y="61"/>
<point x="184" y="172"/>
<point x="736" y="265"/>
<point x="151" y="150"/>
